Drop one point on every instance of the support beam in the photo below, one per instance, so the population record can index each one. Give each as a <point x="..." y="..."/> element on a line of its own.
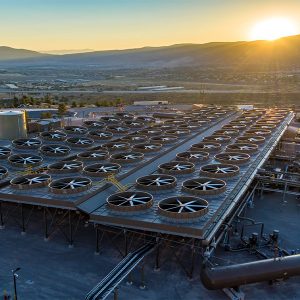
<point x="157" y="257"/>
<point x="1" y="217"/>
<point x="46" y="236"/>
<point x="23" y="227"/>
<point x="71" y="242"/>
<point x="192" y="260"/>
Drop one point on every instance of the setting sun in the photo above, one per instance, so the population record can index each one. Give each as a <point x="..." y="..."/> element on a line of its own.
<point x="273" y="29"/>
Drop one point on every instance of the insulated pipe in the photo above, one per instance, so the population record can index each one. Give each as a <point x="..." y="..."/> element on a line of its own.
<point x="251" y="272"/>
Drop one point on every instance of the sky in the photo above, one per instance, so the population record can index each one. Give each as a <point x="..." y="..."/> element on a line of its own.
<point x="46" y="25"/>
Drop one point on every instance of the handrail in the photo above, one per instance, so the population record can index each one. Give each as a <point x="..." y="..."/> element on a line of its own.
<point x="112" y="280"/>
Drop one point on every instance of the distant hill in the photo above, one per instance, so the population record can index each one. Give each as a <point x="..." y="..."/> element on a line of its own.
<point x="8" y="53"/>
<point x="284" y="51"/>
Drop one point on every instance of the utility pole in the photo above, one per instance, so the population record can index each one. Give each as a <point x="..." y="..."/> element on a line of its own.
<point x="15" y="276"/>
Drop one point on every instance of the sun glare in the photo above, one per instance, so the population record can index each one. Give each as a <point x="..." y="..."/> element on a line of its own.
<point x="273" y="29"/>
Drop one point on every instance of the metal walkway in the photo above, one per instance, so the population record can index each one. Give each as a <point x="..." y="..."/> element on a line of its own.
<point x="119" y="273"/>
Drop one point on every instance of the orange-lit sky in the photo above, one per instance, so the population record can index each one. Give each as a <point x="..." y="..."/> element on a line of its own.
<point x="118" y="24"/>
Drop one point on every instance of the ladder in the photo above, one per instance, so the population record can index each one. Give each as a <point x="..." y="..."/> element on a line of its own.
<point x="112" y="179"/>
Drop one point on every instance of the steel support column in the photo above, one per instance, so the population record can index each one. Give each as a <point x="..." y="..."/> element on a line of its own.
<point x="23" y="220"/>
<point x="192" y="260"/>
<point x="71" y="242"/>
<point x="1" y="217"/>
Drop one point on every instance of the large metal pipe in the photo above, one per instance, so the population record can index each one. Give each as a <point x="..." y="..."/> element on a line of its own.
<point x="251" y="272"/>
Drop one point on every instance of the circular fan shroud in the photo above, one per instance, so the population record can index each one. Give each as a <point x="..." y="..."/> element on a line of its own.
<point x="135" y="139"/>
<point x="80" y="142"/>
<point x="228" y="132"/>
<point x="70" y="185"/>
<point x="124" y="115"/>
<point x="156" y="182"/>
<point x="204" y="186"/>
<point x="242" y="147"/>
<point x="55" y="150"/>
<point x="100" y="135"/>
<point x="221" y="139"/>
<point x="116" y="146"/>
<point x="130" y="201"/>
<point x="268" y="121"/>
<point x="177" y="168"/>
<point x="183" y="207"/>
<point x="263" y="127"/>
<point x="111" y="120"/>
<point x="94" y="124"/>
<point x="30" y="181"/>
<point x="127" y="157"/>
<point x="178" y="132"/>
<point x="166" y="139"/>
<point x="236" y="158"/>
<point x="145" y="119"/>
<point x="53" y="136"/>
<point x="150" y="132"/>
<point x="193" y="156"/>
<point x="147" y="147"/>
<point x="260" y="132"/>
<point x="3" y="172"/>
<point x="25" y="160"/>
<point x="134" y="124"/>
<point x="256" y="139"/>
<point x="234" y="127"/>
<point x="4" y="152"/>
<point x="118" y="129"/>
<point x="102" y="170"/>
<point x="76" y="130"/>
<point x="93" y="155"/>
<point x="26" y="143"/>
<point x="65" y="167"/>
<point x="206" y="146"/>
<point x="219" y="170"/>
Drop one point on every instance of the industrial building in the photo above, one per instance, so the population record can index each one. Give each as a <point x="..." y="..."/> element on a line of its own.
<point x="161" y="178"/>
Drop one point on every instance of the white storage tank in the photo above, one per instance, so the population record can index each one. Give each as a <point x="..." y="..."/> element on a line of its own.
<point x="12" y="125"/>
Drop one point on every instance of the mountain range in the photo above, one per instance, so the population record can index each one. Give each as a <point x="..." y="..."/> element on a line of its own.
<point x="281" y="52"/>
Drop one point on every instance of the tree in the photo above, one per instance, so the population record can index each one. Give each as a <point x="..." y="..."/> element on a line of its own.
<point x="48" y="99"/>
<point x="118" y="101"/>
<point x="62" y="109"/>
<point x="74" y="104"/>
<point x="16" y="102"/>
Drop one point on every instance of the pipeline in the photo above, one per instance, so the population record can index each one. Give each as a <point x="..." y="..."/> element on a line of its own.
<point x="251" y="272"/>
